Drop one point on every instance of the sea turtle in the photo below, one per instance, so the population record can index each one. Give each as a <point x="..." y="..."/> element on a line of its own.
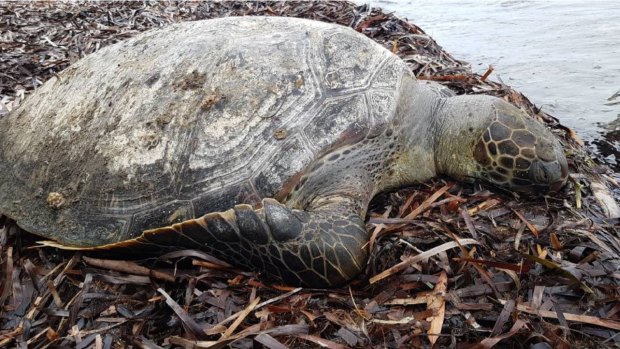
<point x="261" y="140"/>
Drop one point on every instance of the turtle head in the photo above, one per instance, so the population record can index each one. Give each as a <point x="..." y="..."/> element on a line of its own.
<point x="494" y="141"/>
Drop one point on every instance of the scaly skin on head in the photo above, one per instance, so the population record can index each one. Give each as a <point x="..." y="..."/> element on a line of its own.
<point x="483" y="137"/>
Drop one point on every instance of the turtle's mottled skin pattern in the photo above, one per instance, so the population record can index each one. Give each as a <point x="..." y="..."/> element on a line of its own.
<point x="261" y="140"/>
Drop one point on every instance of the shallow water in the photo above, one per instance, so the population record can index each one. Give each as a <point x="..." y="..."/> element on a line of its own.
<point x="563" y="55"/>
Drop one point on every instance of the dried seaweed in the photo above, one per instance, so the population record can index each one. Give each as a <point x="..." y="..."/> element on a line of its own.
<point x="479" y="267"/>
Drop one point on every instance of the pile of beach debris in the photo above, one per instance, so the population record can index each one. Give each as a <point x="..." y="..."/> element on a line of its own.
<point x="453" y="265"/>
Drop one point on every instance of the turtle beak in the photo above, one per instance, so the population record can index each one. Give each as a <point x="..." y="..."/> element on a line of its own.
<point x="556" y="186"/>
<point x="550" y="174"/>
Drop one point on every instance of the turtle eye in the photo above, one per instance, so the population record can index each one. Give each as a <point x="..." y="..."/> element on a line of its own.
<point x="539" y="172"/>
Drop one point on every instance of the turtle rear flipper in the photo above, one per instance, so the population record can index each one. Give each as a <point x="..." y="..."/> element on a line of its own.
<point x="324" y="247"/>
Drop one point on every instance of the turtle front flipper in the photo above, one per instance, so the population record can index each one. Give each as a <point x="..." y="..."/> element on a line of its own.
<point x="320" y="248"/>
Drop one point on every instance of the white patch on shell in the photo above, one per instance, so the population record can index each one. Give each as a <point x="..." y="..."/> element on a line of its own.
<point x="141" y="148"/>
